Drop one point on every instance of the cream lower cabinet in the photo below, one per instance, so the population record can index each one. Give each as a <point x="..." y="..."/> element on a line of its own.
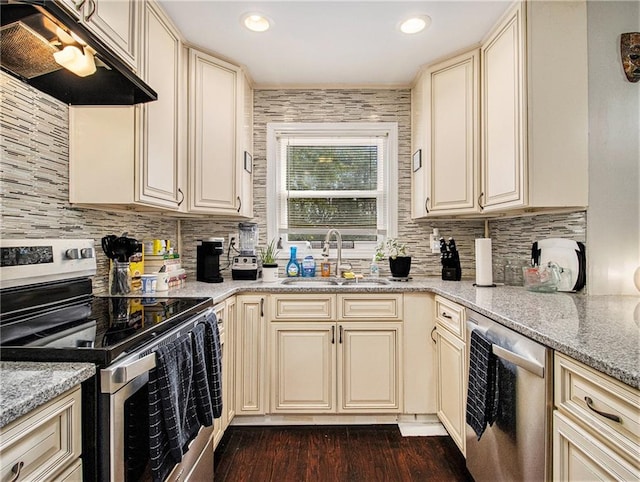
<point x="226" y="315"/>
<point x="250" y="369"/>
<point x="596" y="427"/>
<point x="320" y="365"/>
<point x="44" y="444"/>
<point x="451" y="371"/>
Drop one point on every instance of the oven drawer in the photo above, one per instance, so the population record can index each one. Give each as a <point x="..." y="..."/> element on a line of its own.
<point x="44" y="442"/>
<point x="582" y="392"/>
<point x="198" y="458"/>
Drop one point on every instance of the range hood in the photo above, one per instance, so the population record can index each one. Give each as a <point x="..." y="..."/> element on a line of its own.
<point x="30" y="38"/>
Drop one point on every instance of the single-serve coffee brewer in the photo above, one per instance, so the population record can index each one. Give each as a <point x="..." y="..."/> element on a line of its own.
<point x="246" y="265"/>
<point x="208" y="260"/>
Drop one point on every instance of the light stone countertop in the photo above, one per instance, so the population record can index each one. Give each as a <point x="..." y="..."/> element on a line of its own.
<point x="25" y="386"/>
<point x="602" y="332"/>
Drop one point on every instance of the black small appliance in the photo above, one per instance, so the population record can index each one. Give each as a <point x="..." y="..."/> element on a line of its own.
<point x="208" y="260"/>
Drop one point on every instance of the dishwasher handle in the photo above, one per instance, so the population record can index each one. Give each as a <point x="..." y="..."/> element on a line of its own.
<point x="525" y="363"/>
<point x="531" y="366"/>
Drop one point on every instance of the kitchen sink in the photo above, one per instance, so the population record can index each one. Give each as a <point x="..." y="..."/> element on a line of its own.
<point x="366" y="282"/>
<point x="310" y="282"/>
<point x="334" y="282"/>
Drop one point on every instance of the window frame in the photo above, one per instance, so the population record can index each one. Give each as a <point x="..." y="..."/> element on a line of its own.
<point x="275" y="176"/>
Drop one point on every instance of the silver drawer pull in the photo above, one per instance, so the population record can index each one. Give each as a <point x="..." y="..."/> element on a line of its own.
<point x="16" y="469"/>
<point x="610" y="416"/>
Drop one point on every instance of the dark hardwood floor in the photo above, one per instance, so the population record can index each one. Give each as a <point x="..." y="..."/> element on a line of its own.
<point x="334" y="454"/>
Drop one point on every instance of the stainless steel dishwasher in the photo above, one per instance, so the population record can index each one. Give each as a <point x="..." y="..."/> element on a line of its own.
<point x="517" y="446"/>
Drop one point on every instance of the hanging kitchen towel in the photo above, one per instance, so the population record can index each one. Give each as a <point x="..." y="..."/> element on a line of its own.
<point x="481" y="388"/>
<point x="159" y="452"/>
<point x="174" y="365"/>
<point x="506" y="405"/>
<point x="214" y="363"/>
<point x="204" y="405"/>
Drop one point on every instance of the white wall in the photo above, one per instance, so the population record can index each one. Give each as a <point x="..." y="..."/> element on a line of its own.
<point x="613" y="217"/>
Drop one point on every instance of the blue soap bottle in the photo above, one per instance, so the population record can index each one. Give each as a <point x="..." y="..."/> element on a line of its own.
<point x="293" y="267"/>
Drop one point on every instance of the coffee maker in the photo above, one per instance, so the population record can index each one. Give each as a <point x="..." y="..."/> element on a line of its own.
<point x="246" y="265"/>
<point x="208" y="253"/>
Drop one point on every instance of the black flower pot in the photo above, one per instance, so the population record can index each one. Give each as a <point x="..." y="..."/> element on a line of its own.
<point x="400" y="266"/>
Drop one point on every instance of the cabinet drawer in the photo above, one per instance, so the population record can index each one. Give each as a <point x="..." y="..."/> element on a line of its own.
<point x="303" y="307"/>
<point x="577" y="384"/>
<point x="451" y="316"/>
<point x="370" y="307"/>
<point x="43" y="442"/>
<point x="577" y="455"/>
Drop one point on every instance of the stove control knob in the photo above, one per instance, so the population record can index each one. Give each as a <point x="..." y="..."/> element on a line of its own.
<point x="72" y="253"/>
<point x="86" y="253"/>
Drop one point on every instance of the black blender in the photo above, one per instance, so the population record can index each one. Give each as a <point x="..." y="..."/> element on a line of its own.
<point x="246" y="265"/>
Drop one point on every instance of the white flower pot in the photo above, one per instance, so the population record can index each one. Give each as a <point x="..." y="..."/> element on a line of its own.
<point x="270" y="274"/>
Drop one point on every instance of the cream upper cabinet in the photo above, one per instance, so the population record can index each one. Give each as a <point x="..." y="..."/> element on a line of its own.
<point x="161" y="134"/>
<point x="419" y="186"/>
<point x="216" y="136"/>
<point x="117" y="23"/>
<point x="450" y="369"/>
<point x="320" y="365"/>
<point x="534" y="121"/>
<point x="447" y="97"/>
<point x="246" y="171"/>
<point x="596" y="427"/>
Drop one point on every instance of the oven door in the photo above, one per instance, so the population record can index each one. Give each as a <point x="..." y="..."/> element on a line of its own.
<point x="124" y="418"/>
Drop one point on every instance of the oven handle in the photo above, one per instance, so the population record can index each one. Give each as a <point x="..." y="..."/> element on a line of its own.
<point x="126" y="373"/>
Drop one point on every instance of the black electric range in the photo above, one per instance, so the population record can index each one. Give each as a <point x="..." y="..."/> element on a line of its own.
<point x="63" y="321"/>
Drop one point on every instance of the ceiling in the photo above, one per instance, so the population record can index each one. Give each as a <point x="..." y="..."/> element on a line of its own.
<point x="333" y="43"/>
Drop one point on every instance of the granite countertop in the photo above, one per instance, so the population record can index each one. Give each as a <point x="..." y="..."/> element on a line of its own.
<point x="25" y="386"/>
<point x="600" y="331"/>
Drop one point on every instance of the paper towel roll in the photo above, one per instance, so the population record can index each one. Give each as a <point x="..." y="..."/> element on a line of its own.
<point x="484" y="266"/>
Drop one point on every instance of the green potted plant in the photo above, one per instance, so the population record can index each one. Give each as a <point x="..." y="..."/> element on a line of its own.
<point x="399" y="262"/>
<point x="269" y="256"/>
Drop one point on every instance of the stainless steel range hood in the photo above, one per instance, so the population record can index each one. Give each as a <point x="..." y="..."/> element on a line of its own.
<point x="29" y="41"/>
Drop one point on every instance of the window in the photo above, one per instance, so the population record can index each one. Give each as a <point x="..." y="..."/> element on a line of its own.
<point x="322" y="176"/>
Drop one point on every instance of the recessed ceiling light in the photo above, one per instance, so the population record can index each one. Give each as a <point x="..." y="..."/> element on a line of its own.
<point x="415" y="24"/>
<point x="256" y="22"/>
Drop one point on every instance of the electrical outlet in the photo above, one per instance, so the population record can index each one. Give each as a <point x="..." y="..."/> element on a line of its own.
<point x="434" y="242"/>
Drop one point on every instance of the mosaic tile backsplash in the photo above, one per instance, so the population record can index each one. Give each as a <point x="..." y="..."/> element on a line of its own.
<point x="34" y="181"/>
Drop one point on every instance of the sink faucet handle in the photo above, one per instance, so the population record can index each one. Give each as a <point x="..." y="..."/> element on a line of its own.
<point x="325" y="249"/>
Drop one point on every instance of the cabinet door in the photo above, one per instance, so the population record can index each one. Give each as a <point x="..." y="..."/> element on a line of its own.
<point x="503" y="104"/>
<point x="229" y="363"/>
<point x="117" y="24"/>
<point x="215" y="106"/>
<point x="450" y="393"/>
<point x="250" y="356"/>
<point x="303" y="367"/>
<point x="157" y="180"/>
<point x="452" y="128"/>
<point x="246" y="170"/>
<point x="420" y="196"/>
<point x="219" y="424"/>
<point x="369" y="367"/>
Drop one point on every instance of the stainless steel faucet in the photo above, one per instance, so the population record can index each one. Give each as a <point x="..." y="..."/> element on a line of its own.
<point x="340" y="268"/>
